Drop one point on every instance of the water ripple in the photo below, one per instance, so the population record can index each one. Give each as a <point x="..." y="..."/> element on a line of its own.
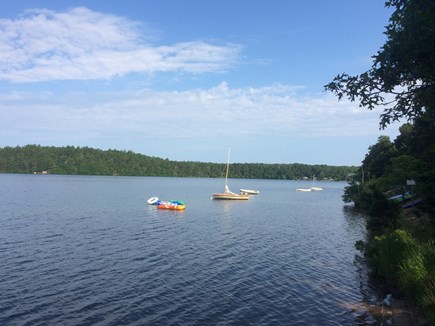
<point x="102" y="256"/>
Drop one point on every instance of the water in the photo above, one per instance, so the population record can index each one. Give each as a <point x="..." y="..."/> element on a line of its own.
<point x="81" y="250"/>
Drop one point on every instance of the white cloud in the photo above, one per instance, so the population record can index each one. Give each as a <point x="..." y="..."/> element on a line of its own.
<point x="202" y="114"/>
<point x="81" y="44"/>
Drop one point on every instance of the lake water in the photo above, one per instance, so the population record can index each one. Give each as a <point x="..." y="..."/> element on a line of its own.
<point x="86" y="250"/>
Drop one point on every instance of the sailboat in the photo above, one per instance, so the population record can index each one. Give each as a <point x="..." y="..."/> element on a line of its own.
<point x="315" y="188"/>
<point x="227" y="194"/>
<point x="310" y="189"/>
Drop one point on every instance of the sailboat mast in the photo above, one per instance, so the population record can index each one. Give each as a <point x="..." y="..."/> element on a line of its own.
<point x="228" y="166"/>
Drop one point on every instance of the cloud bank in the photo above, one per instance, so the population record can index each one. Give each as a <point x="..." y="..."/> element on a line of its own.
<point x="201" y="113"/>
<point x="81" y="44"/>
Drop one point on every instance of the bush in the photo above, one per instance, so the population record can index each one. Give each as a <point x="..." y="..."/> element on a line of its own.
<point x="388" y="252"/>
<point x="383" y="213"/>
<point x="416" y="275"/>
<point x="403" y="262"/>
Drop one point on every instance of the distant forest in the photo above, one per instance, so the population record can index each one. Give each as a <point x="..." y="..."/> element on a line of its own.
<point x="90" y="161"/>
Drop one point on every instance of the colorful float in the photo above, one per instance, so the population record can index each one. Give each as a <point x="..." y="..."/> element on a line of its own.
<point x="171" y="204"/>
<point x="174" y="205"/>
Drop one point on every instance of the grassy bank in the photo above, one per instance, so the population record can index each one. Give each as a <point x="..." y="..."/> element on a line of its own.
<point x="401" y="252"/>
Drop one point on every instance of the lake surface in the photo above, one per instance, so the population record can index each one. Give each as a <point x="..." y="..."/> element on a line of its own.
<point x="87" y="250"/>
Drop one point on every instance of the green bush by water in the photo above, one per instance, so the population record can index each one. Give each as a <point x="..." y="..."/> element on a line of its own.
<point x="405" y="262"/>
<point x="416" y="275"/>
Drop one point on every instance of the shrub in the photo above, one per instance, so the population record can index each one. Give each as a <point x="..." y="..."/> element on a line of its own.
<point x="387" y="253"/>
<point x="370" y="198"/>
<point x="416" y="275"/>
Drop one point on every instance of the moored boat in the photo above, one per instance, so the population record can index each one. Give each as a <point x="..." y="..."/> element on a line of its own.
<point x="249" y="192"/>
<point x="313" y="188"/>
<point x="227" y="194"/>
<point x="401" y="197"/>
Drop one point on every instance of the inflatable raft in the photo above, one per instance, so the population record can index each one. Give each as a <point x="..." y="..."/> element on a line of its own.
<point x="153" y="201"/>
<point x="171" y="204"/>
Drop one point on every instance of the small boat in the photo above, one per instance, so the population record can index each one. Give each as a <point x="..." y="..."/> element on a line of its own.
<point x="401" y="198"/>
<point x="413" y="203"/>
<point x="311" y="188"/>
<point x="315" y="188"/>
<point x="249" y="192"/>
<point x="227" y="194"/>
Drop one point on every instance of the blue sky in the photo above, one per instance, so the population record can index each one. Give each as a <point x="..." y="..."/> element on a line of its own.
<point x="184" y="80"/>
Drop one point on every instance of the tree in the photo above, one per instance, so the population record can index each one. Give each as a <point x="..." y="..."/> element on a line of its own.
<point x="401" y="80"/>
<point x="85" y="160"/>
<point x="402" y="75"/>
<point x="403" y="168"/>
<point x="378" y="157"/>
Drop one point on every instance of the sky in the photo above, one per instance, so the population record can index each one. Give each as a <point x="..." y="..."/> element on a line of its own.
<point x="186" y="80"/>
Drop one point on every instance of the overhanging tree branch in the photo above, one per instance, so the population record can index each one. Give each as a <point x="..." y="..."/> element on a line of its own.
<point x="404" y="67"/>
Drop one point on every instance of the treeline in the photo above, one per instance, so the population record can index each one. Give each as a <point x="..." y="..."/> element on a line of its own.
<point x="401" y="246"/>
<point x="90" y="161"/>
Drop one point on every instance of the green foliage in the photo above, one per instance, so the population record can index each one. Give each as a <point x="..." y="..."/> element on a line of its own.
<point x="401" y="81"/>
<point x="401" y="78"/>
<point x="378" y="157"/>
<point x="416" y="275"/>
<point x="383" y="213"/>
<point x="388" y="165"/>
<point x="352" y="193"/>
<point x="401" y="259"/>
<point x="89" y="161"/>
<point x="387" y="252"/>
